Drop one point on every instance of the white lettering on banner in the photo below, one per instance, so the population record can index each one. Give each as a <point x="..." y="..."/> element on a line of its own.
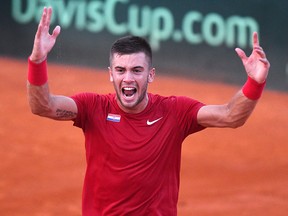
<point x="157" y="24"/>
<point x="109" y="12"/>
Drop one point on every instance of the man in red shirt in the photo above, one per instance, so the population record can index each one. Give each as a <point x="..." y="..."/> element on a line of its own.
<point x="133" y="138"/>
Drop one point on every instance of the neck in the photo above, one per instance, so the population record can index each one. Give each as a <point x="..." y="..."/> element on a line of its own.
<point x="136" y="108"/>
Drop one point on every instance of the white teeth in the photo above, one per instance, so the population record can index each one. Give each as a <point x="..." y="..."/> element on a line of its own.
<point x="128" y="89"/>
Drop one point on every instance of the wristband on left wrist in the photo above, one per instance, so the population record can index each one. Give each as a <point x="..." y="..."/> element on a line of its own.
<point x="252" y="89"/>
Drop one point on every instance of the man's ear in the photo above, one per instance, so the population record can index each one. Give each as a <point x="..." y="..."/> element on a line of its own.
<point x="151" y="75"/>
<point x="110" y="74"/>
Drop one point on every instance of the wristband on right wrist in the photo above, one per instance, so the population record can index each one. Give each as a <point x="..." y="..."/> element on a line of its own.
<point x="37" y="73"/>
<point x="252" y="89"/>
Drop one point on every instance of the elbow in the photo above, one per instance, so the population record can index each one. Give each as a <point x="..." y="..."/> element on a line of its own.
<point x="39" y="109"/>
<point x="236" y="119"/>
<point x="36" y="112"/>
<point x="39" y="112"/>
<point x="236" y="123"/>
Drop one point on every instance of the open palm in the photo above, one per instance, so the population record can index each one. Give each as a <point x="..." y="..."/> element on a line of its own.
<point x="256" y="65"/>
<point x="44" y="41"/>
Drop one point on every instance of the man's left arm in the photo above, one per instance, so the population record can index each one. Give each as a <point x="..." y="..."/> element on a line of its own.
<point x="239" y="108"/>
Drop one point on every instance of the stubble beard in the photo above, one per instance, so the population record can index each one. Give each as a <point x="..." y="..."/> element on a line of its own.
<point x="132" y="106"/>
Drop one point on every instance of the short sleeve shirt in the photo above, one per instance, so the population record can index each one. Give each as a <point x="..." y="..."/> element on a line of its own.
<point x="133" y="160"/>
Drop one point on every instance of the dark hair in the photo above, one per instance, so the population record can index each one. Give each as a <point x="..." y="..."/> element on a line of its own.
<point x="130" y="45"/>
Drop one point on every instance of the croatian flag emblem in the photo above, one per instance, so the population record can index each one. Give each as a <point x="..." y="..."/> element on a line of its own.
<point x="113" y="117"/>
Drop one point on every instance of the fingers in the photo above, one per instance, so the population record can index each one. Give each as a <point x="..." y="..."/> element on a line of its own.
<point x="241" y="54"/>
<point x="255" y="39"/>
<point x="260" y="52"/>
<point x="43" y="41"/>
<point x="42" y="23"/>
<point x="45" y="18"/>
<point x="56" y="32"/>
<point x="258" y="49"/>
<point x="48" y="17"/>
<point x="265" y="62"/>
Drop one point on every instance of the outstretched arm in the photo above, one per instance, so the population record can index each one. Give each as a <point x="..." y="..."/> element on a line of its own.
<point x="239" y="108"/>
<point x="41" y="101"/>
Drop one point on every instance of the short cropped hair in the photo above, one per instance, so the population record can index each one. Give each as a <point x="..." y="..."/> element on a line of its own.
<point x="129" y="45"/>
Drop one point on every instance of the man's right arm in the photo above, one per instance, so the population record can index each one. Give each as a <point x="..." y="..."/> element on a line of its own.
<point x="44" y="104"/>
<point x="41" y="101"/>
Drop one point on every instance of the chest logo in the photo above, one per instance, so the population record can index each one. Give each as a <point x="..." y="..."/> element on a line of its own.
<point x="153" y="122"/>
<point x="113" y="117"/>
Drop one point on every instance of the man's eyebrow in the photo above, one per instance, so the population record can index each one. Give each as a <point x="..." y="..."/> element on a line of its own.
<point x="119" y="67"/>
<point x="138" y="67"/>
<point x="135" y="67"/>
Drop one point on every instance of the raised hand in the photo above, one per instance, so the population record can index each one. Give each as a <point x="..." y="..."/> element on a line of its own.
<point x="44" y="41"/>
<point x="256" y="65"/>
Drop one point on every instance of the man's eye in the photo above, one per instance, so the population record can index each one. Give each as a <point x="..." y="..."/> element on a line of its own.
<point x="120" y="70"/>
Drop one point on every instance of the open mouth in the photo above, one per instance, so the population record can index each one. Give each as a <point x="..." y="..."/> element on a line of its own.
<point x="129" y="91"/>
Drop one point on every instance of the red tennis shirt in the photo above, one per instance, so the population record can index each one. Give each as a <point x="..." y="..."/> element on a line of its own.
<point x="133" y="160"/>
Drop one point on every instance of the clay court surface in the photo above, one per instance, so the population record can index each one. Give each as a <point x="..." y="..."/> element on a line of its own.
<point x="225" y="172"/>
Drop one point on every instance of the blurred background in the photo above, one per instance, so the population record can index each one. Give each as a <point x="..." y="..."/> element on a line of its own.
<point x="223" y="172"/>
<point x="189" y="38"/>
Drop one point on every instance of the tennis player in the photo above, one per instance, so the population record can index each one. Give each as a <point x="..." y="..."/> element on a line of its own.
<point x="133" y="138"/>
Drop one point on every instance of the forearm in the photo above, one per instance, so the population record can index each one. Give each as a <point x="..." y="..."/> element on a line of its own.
<point x="37" y="88"/>
<point x="40" y="100"/>
<point x="235" y="113"/>
<point x="238" y="109"/>
<point x="243" y="103"/>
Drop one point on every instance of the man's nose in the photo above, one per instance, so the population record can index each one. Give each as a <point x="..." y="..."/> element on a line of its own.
<point x="128" y="77"/>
